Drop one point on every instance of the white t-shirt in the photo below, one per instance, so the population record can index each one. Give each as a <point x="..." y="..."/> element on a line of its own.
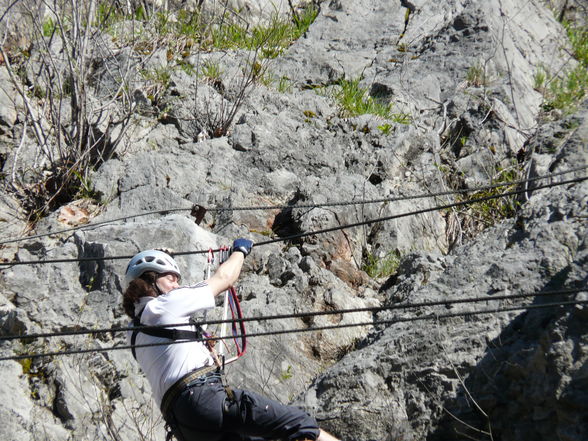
<point x="165" y="364"/>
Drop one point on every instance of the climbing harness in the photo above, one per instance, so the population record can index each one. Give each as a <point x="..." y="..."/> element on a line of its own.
<point x="194" y="378"/>
<point x="171" y="334"/>
<point x="190" y="379"/>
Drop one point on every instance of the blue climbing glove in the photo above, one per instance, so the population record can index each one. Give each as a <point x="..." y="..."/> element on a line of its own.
<point x="242" y="245"/>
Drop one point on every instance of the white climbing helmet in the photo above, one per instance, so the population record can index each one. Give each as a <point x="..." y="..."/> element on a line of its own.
<point x="150" y="260"/>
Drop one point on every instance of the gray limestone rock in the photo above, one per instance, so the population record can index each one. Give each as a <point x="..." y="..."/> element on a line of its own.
<point x="465" y="375"/>
<point x="11" y="101"/>
<point x="459" y="76"/>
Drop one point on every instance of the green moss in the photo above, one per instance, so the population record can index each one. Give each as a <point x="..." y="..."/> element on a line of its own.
<point x="26" y="364"/>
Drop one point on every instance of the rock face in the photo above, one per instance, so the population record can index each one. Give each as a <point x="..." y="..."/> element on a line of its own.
<point x="501" y="376"/>
<point x="459" y="76"/>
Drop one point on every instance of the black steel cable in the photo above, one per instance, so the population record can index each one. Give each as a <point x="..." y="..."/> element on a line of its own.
<point x="296" y="206"/>
<point x="310" y="233"/>
<point x="373" y="309"/>
<point x="414" y="213"/>
<point x="309" y="329"/>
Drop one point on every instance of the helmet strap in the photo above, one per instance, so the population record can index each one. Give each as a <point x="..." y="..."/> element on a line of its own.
<point x="157" y="290"/>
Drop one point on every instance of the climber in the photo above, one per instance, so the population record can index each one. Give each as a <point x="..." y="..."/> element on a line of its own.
<point x="190" y="388"/>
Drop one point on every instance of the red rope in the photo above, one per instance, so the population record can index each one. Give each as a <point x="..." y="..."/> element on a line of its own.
<point x="237" y="313"/>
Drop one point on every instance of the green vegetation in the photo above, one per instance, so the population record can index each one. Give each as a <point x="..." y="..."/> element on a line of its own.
<point x="90" y="285"/>
<point x="211" y="71"/>
<point x="567" y="91"/>
<point x="272" y="38"/>
<point x="379" y="267"/>
<point x="48" y="27"/>
<point x="494" y="210"/>
<point x="26" y="364"/>
<point x="86" y="188"/>
<point x="284" y="85"/>
<point x="539" y="79"/>
<point x="386" y="129"/>
<point x="287" y="374"/>
<point x="579" y="38"/>
<point x="262" y="74"/>
<point x="266" y="233"/>
<point x="85" y="134"/>
<point x="355" y="100"/>
<point x="476" y="75"/>
<point x="190" y="30"/>
<point x="159" y="79"/>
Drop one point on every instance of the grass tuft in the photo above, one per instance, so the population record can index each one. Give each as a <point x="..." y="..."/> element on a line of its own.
<point x="355" y="100"/>
<point x="566" y="92"/>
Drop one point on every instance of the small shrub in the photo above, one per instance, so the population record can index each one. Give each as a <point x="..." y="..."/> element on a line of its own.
<point x="401" y="118"/>
<point x="189" y="23"/>
<point x="494" y="210"/>
<point x="74" y="142"/>
<point x="85" y="188"/>
<point x="564" y="94"/>
<point x="211" y="71"/>
<point x="302" y="23"/>
<point x="354" y="100"/>
<point x="273" y="38"/>
<point x="579" y="39"/>
<point x="476" y="75"/>
<point x="77" y="124"/>
<point x="107" y="15"/>
<point x="379" y="267"/>
<point x="261" y="44"/>
<point x="158" y="79"/>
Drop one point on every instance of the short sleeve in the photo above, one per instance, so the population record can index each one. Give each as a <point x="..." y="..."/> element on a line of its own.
<point x="178" y="304"/>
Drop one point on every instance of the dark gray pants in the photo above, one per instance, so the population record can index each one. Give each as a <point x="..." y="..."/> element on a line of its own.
<point x="203" y="412"/>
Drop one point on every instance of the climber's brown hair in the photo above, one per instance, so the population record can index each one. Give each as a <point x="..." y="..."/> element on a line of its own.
<point x="144" y="286"/>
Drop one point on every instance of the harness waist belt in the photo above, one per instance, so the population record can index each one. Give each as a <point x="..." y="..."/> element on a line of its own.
<point x="175" y="389"/>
